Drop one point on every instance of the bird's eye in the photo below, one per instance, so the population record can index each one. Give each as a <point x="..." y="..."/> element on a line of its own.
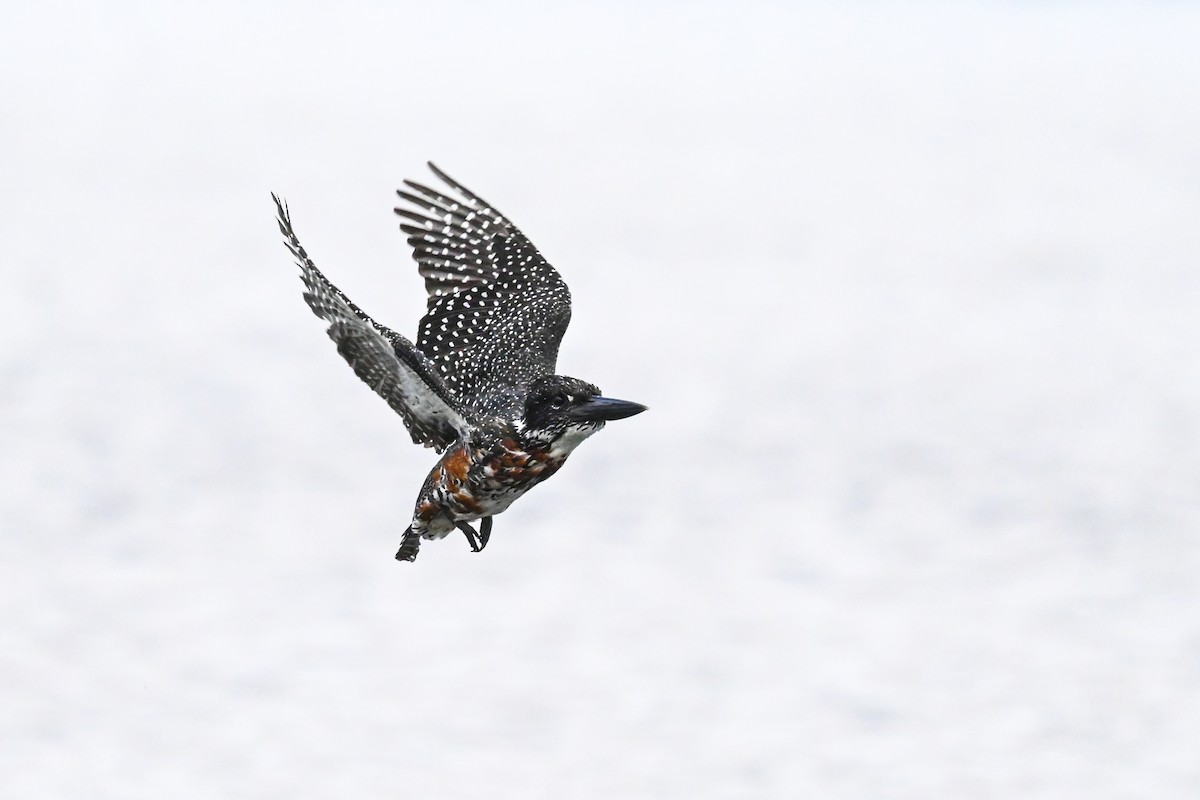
<point x="558" y="401"/>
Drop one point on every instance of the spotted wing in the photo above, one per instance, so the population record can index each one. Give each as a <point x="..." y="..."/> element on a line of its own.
<point x="382" y="358"/>
<point x="497" y="310"/>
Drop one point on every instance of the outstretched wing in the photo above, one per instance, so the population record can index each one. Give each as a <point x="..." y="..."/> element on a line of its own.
<point x="385" y="360"/>
<point x="497" y="310"/>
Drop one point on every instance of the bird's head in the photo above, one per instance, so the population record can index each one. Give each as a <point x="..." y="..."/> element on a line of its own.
<point x="562" y="411"/>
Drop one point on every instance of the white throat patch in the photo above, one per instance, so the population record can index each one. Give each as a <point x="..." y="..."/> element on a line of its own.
<point x="574" y="435"/>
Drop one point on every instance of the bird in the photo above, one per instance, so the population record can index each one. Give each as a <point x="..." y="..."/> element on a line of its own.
<point x="479" y="384"/>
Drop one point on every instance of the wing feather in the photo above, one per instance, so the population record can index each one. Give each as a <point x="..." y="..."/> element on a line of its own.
<point x="386" y="361"/>
<point x="497" y="310"/>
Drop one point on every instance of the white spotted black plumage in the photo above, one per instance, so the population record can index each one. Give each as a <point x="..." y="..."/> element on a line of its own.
<point x="497" y="309"/>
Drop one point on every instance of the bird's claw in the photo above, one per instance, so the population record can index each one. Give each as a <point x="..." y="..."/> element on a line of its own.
<point x="472" y="536"/>
<point x="479" y="540"/>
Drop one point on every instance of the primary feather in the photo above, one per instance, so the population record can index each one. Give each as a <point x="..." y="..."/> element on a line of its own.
<point x="386" y="361"/>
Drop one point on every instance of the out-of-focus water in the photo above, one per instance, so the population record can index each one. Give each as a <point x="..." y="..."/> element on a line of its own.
<point x="912" y="298"/>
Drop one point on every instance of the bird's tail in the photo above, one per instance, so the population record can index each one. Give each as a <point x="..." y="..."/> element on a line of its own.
<point x="409" y="546"/>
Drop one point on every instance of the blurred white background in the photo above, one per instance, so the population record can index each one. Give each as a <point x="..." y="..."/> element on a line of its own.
<point x="912" y="295"/>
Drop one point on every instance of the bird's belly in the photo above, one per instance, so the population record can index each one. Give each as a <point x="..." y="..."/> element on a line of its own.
<point x="469" y="484"/>
<point x="498" y="483"/>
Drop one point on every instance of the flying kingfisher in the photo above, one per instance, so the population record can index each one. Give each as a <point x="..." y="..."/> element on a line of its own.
<point x="479" y="384"/>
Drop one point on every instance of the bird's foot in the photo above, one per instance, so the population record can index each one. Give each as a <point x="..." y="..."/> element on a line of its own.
<point x="485" y="531"/>
<point x="472" y="537"/>
<point x="409" y="546"/>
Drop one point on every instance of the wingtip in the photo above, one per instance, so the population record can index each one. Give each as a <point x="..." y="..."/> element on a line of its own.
<point x="280" y="207"/>
<point x="436" y="170"/>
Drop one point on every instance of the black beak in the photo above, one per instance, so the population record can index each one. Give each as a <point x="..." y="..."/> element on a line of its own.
<point x="604" y="409"/>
